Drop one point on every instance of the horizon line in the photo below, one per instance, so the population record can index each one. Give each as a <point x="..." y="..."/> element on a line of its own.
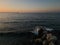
<point x="30" y="12"/>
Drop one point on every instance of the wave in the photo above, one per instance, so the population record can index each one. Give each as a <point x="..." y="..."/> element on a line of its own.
<point x="34" y="30"/>
<point x="37" y="28"/>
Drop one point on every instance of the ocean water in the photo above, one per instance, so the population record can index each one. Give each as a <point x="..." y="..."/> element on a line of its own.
<point x="12" y="22"/>
<point x="22" y="22"/>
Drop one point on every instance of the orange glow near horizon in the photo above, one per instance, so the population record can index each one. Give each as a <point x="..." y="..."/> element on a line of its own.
<point x="29" y="6"/>
<point x="21" y="8"/>
<point x="10" y="9"/>
<point x="25" y="10"/>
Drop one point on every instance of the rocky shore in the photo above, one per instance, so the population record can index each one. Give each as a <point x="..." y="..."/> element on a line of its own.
<point x="41" y="37"/>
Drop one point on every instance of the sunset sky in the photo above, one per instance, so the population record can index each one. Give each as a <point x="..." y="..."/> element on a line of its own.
<point x="29" y="5"/>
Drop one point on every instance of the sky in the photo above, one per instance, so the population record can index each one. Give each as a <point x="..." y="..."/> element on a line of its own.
<point x="29" y="5"/>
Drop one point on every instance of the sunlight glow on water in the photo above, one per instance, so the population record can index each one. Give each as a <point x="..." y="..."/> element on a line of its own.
<point x="20" y="22"/>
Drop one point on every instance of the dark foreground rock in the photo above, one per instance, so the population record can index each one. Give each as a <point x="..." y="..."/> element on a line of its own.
<point x="29" y="38"/>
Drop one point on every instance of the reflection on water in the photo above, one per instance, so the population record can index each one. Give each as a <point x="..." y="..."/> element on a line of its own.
<point x="27" y="21"/>
<point x="13" y="22"/>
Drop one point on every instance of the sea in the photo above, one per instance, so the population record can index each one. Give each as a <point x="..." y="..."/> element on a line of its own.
<point x="24" y="22"/>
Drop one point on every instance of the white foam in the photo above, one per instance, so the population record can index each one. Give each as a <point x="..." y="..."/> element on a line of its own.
<point x="37" y="28"/>
<point x="49" y="29"/>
